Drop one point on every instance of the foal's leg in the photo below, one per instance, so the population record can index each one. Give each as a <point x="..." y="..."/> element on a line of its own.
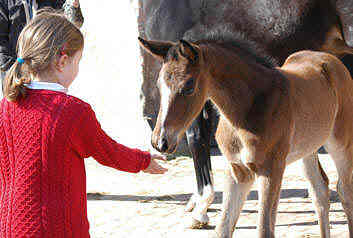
<point x="344" y="163"/>
<point x="198" y="136"/>
<point x="269" y="186"/>
<point x="319" y="189"/>
<point x="238" y="181"/>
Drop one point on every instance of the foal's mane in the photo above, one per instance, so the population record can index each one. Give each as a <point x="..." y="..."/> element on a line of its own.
<point x="227" y="39"/>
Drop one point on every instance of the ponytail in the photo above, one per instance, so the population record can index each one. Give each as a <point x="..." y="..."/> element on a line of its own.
<point x="14" y="87"/>
<point x="39" y="44"/>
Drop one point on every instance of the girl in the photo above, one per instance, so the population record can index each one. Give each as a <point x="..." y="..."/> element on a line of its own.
<point x="45" y="134"/>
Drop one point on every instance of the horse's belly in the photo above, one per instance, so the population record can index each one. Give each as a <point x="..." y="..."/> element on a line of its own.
<point x="313" y="124"/>
<point x="307" y="144"/>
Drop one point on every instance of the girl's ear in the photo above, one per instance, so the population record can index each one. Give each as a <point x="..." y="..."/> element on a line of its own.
<point x="61" y="62"/>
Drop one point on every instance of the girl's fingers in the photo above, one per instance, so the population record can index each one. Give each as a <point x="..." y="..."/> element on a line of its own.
<point x="159" y="157"/>
<point x="154" y="167"/>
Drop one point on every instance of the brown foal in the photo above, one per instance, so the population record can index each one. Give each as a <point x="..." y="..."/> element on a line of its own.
<point x="269" y="117"/>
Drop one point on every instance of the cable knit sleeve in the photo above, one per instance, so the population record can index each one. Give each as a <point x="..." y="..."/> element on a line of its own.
<point x="88" y="139"/>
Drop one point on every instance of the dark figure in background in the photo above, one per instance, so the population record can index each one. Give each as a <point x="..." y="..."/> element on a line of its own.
<point x="273" y="29"/>
<point x="14" y="14"/>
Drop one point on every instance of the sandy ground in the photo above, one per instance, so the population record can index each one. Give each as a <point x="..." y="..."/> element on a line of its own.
<point x="142" y="205"/>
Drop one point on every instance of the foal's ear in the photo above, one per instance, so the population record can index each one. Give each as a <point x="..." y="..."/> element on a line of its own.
<point x="157" y="49"/>
<point x="189" y="51"/>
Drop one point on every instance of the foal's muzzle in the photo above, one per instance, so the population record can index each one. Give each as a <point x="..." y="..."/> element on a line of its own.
<point x="162" y="144"/>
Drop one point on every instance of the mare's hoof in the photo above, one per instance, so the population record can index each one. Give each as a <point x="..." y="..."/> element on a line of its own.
<point x="195" y="224"/>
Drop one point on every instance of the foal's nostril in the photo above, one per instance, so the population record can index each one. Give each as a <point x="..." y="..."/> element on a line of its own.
<point x="164" y="145"/>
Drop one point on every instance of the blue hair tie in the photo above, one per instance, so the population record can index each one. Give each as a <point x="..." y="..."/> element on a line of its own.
<point x="20" y="60"/>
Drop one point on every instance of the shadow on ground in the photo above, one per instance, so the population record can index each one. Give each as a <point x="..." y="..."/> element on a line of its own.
<point x="314" y="223"/>
<point x="183" y="198"/>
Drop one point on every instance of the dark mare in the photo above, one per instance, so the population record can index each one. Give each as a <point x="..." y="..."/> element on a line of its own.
<point x="270" y="29"/>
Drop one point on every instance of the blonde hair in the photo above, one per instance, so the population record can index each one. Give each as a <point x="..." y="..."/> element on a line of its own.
<point x="48" y="35"/>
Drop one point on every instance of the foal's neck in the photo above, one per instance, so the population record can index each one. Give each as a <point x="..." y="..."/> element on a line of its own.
<point x="237" y="81"/>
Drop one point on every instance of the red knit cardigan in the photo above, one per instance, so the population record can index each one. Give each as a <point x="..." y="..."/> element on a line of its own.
<point x="43" y="141"/>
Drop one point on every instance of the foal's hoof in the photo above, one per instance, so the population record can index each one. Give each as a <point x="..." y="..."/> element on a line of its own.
<point x="190" y="205"/>
<point x="195" y="224"/>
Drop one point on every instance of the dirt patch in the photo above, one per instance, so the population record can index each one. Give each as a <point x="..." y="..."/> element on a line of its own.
<point x="143" y="205"/>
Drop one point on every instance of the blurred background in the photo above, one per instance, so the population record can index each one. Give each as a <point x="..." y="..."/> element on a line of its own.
<point x="110" y="70"/>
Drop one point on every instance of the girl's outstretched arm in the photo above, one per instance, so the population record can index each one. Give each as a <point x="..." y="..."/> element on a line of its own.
<point x="89" y="140"/>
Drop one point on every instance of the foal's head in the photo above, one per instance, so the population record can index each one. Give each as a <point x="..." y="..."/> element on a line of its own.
<point x="183" y="89"/>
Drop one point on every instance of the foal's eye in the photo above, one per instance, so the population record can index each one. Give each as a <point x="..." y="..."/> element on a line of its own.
<point x="188" y="88"/>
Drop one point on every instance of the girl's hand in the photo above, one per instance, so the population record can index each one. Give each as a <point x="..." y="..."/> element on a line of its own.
<point x="154" y="167"/>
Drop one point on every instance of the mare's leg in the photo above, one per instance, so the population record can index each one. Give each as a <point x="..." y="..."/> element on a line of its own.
<point x="198" y="136"/>
<point x="238" y="181"/>
<point x="319" y="189"/>
<point x="343" y="158"/>
<point x="269" y="186"/>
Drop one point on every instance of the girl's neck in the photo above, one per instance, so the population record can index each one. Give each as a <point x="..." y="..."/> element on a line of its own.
<point x="46" y="78"/>
<point x="49" y="82"/>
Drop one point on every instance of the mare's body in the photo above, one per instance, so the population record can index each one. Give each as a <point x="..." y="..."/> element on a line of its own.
<point x="270" y="28"/>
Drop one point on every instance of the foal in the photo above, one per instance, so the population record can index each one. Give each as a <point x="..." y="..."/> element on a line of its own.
<point x="270" y="117"/>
